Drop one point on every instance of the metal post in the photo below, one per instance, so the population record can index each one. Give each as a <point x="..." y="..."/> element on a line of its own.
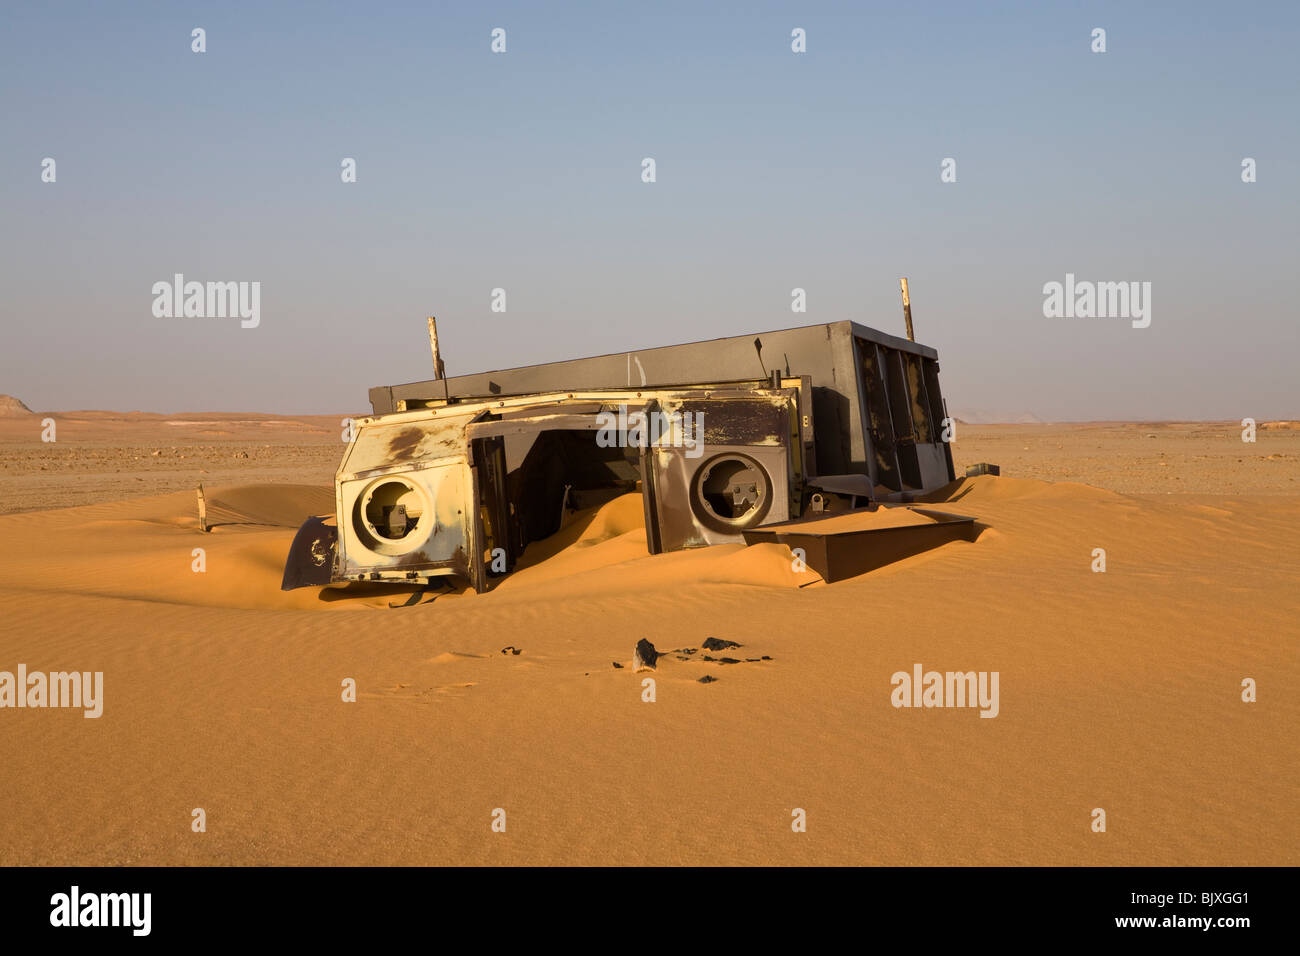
<point x="439" y="371"/>
<point x="907" y="309"/>
<point x="203" y="510"/>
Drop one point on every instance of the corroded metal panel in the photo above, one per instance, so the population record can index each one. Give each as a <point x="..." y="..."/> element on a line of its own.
<point x="384" y="446"/>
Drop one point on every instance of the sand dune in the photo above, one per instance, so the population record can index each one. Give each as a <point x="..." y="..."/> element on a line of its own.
<point x="1118" y="690"/>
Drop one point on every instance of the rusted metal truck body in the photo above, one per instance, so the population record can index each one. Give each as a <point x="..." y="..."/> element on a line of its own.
<point x="454" y="477"/>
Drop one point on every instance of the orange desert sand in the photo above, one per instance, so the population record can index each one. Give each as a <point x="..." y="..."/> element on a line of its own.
<point x="1120" y="690"/>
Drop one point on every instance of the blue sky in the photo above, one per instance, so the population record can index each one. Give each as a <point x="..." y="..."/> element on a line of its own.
<point x="522" y="171"/>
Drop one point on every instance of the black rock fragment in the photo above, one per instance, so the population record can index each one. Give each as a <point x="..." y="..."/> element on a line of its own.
<point x="714" y="644"/>
<point x="645" y="655"/>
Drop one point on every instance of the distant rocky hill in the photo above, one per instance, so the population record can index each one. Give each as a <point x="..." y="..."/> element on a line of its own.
<point x="986" y="416"/>
<point x="11" y="407"/>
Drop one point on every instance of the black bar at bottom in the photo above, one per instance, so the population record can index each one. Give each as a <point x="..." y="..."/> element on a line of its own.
<point x="332" y="905"/>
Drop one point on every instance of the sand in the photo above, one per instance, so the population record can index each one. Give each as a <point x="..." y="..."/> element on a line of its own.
<point x="1119" y="690"/>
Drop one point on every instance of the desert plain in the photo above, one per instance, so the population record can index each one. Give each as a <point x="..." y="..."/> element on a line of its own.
<point x="1120" y="690"/>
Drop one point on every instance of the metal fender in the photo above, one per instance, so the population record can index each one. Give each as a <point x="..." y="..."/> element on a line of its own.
<point x="312" y="555"/>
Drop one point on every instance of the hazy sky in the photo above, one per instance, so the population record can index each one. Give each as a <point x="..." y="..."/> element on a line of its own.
<point x="523" y="171"/>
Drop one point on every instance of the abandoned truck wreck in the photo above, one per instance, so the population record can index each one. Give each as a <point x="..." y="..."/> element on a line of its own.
<point x="454" y="477"/>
